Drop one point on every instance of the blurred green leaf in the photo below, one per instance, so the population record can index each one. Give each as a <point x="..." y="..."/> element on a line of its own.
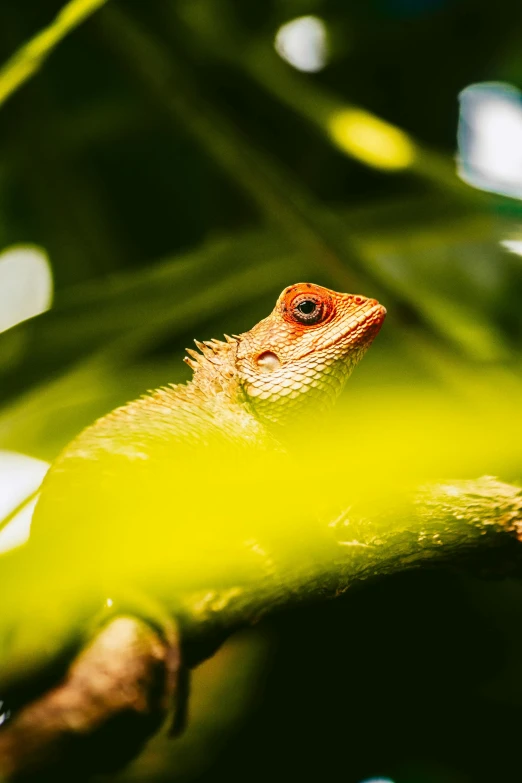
<point x="70" y="365"/>
<point x="176" y="296"/>
<point x="30" y="58"/>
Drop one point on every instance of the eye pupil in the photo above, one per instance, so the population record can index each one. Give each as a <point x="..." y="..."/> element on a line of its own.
<point x="307" y="307"/>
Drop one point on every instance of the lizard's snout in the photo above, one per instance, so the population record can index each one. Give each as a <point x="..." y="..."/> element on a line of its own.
<point x="373" y="315"/>
<point x="374" y="303"/>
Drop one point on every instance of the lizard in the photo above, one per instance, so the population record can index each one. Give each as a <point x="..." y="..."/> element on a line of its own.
<point x="245" y="392"/>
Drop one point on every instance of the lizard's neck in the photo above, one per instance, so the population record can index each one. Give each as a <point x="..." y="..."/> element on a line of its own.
<point x="216" y="389"/>
<point x="211" y="404"/>
<point x="215" y="372"/>
<point x="213" y="401"/>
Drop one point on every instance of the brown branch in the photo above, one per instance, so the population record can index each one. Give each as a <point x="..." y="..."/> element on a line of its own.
<point x="468" y="525"/>
<point x="114" y="696"/>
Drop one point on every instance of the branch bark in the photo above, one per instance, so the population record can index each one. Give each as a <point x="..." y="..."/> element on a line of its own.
<point x="472" y="526"/>
<point x="114" y="696"/>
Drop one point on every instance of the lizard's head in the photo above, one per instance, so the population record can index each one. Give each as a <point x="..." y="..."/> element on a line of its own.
<point x="306" y="349"/>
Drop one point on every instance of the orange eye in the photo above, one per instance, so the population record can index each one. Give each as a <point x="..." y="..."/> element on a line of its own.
<point x="307" y="306"/>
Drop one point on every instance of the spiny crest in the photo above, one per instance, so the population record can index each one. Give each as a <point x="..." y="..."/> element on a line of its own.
<point x="209" y="351"/>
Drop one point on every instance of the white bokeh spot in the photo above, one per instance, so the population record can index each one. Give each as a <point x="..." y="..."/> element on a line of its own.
<point x="490" y="138"/>
<point x="20" y="479"/>
<point x="513" y="245"/>
<point x="26" y="284"/>
<point x="377" y="780"/>
<point x="303" y="42"/>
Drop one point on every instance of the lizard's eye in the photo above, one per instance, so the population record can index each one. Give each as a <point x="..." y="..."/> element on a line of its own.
<point x="307" y="304"/>
<point x="309" y="310"/>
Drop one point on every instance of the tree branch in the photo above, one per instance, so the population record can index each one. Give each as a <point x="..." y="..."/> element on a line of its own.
<point x="470" y="525"/>
<point x="114" y="696"/>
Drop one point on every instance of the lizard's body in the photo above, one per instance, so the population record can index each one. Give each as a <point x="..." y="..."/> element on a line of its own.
<point x="125" y="476"/>
<point x="259" y="378"/>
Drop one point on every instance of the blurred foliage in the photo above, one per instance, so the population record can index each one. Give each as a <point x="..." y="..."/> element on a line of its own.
<point x="179" y="174"/>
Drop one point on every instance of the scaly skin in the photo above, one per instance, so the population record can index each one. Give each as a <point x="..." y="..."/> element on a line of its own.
<point x="244" y="391"/>
<point x="290" y="360"/>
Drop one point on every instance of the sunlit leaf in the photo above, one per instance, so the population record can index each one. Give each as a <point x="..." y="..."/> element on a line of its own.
<point x="29" y="59"/>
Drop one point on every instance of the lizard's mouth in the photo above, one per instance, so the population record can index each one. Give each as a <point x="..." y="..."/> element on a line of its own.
<point x="368" y="324"/>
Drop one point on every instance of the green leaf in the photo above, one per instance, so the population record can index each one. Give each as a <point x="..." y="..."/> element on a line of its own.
<point x="29" y="58"/>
